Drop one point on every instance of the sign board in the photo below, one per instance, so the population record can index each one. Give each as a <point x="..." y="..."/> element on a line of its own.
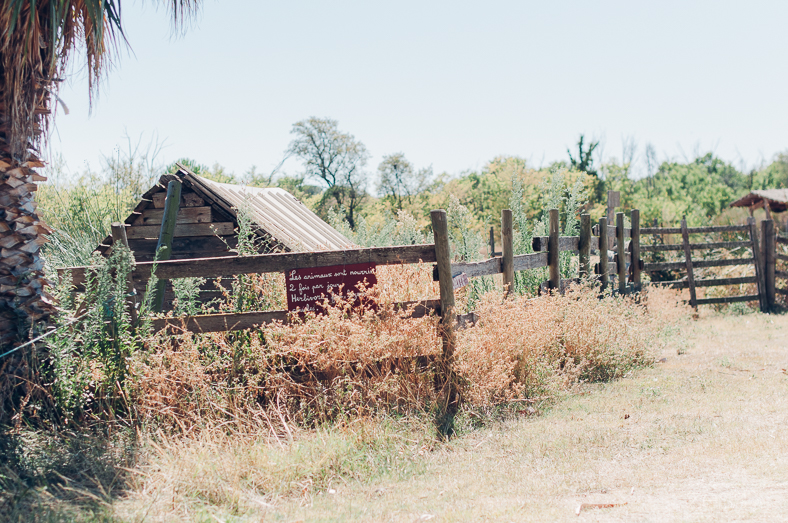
<point x="307" y="288"/>
<point x="460" y="281"/>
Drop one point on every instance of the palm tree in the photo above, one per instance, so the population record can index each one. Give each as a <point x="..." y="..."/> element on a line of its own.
<point x="37" y="39"/>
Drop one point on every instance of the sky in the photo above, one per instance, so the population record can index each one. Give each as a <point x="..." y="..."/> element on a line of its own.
<point x="449" y="84"/>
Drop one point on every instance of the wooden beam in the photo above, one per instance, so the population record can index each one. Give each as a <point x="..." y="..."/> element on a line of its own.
<point x="164" y="248"/>
<point x="553" y="253"/>
<point x="695" y="246"/>
<point x="185" y="215"/>
<point x="584" y="245"/>
<point x="565" y="243"/>
<point x="603" y="243"/>
<point x="688" y="264"/>
<point x="675" y="266"/>
<point x="756" y="254"/>
<point x="523" y="262"/>
<point x="634" y="218"/>
<point x="188" y="199"/>
<point x="507" y="248"/>
<point x="139" y="232"/>
<point x="486" y="267"/>
<point x="449" y="396"/>
<point x="118" y="239"/>
<point x="726" y="299"/>
<point x="262" y="263"/>
<point x="769" y="261"/>
<point x="234" y="321"/>
<point x="695" y="230"/>
<point x="621" y="255"/>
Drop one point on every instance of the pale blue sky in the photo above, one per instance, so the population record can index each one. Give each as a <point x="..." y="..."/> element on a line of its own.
<point x="451" y="84"/>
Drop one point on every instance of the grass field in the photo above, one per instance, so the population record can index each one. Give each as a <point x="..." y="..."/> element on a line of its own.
<point x="701" y="436"/>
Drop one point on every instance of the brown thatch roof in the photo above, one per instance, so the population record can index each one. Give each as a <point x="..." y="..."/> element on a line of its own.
<point x="776" y="198"/>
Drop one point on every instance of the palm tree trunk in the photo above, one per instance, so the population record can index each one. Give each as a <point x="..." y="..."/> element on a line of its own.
<point x="24" y="301"/>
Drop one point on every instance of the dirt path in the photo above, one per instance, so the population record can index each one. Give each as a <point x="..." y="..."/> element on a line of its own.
<point x="702" y="436"/>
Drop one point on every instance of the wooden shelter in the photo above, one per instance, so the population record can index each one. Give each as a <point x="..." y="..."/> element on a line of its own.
<point x="207" y="226"/>
<point x="775" y="200"/>
<point x="208" y="220"/>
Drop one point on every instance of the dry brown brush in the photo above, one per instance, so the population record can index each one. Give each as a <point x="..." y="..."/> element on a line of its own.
<point x="353" y="362"/>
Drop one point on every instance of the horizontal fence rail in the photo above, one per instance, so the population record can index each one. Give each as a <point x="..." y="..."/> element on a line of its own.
<point x="669" y="266"/>
<point x="263" y="263"/>
<point x="222" y="322"/>
<point x="695" y="246"/>
<point x="694" y="230"/>
<point x="684" y="284"/>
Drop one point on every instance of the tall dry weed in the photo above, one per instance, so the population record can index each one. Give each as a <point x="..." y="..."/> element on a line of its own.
<point x="356" y="361"/>
<point x="347" y="362"/>
<point x="524" y="348"/>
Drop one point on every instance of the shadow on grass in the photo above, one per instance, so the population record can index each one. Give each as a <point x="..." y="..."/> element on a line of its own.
<point x="48" y="476"/>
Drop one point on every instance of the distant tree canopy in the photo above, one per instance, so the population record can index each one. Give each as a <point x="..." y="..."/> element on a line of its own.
<point x="700" y="188"/>
<point x="333" y="158"/>
<point x="399" y="182"/>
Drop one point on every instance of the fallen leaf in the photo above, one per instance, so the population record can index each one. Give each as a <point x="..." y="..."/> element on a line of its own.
<point x="582" y="506"/>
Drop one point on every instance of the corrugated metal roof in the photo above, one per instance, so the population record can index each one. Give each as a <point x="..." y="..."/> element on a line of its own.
<point x="276" y="212"/>
<point x="778" y="199"/>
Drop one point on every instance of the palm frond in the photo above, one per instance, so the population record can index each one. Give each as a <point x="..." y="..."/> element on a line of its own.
<point x="37" y="40"/>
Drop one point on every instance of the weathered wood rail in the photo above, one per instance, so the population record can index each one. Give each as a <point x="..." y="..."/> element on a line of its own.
<point x="689" y="265"/>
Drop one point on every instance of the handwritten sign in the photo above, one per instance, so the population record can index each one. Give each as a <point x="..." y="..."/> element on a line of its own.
<point x="307" y="288"/>
<point x="460" y="281"/>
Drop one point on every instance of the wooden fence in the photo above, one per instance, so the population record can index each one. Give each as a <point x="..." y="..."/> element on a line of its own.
<point x="689" y="264"/>
<point x="619" y="266"/>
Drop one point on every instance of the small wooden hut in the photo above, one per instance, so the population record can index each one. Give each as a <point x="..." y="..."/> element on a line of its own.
<point x="207" y="225"/>
<point x="208" y="220"/>
<point x="771" y="200"/>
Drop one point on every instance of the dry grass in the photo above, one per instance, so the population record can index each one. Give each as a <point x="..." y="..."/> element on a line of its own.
<point x="242" y="425"/>
<point x="522" y="348"/>
<point x="700" y="437"/>
<point x="352" y="362"/>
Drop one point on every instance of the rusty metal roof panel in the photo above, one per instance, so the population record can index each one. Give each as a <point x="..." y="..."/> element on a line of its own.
<point x="278" y="213"/>
<point x="778" y="199"/>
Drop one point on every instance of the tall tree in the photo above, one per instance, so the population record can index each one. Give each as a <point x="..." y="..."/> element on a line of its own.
<point x="333" y="158"/>
<point x="37" y="41"/>
<point x="399" y="182"/>
<point x="585" y="163"/>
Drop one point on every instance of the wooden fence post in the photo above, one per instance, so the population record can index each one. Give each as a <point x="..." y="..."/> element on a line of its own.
<point x="769" y="259"/>
<point x="603" y="269"/>
<point x="164" y="248"/>
<point x="507" y="251"/>
<point x="585" y="245"/>
<point x="553" y="258"/>
<point x="613" y="201"/>
<point x="756" y="254"/>
<point x="119" y="238"/>
<point x="634" y="218"/>
<point x="688" y="258"/>
<point x="492" y="242"/>
<point x="621" y="254"/>
<point x="448" y="389"/>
